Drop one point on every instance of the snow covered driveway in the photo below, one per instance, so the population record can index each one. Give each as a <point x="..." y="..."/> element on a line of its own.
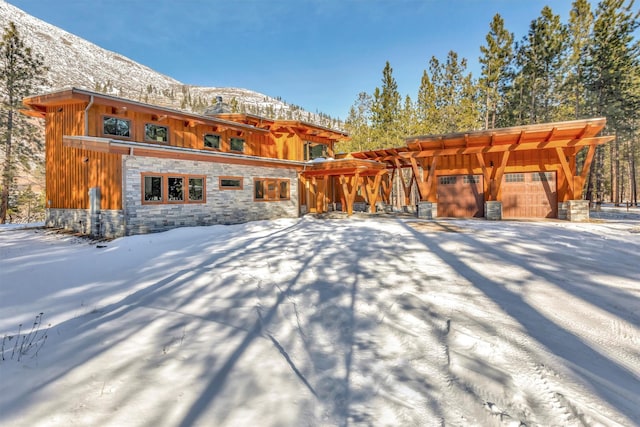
<point x="312" y="322"/>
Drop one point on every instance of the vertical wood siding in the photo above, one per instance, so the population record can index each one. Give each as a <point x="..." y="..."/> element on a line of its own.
<point x="72" y="171"/>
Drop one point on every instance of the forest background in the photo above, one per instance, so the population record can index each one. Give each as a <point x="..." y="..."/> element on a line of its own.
<point x="584" y="68"/>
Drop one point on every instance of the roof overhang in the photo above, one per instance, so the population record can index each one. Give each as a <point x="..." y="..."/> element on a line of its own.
<point x="568" y="134"/>
<point x="39" y="103"/>
<point x="107" y="145"/>
<point x="345" y="167"/>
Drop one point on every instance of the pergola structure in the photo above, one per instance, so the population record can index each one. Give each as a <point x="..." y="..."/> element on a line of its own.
<point x="490" y="154"/>
<point x="341" y="179"/>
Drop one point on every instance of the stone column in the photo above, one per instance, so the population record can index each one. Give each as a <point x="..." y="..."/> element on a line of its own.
<point x="578" y="210"/>
<point x="493" y="210"/>
<point x="427" y="210"/>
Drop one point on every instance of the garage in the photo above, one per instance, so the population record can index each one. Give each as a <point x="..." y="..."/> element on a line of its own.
<point x="460" y="196"/>
<point x="529" y="195"/>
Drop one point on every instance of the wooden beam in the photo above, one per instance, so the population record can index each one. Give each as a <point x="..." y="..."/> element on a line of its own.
<point x="486" y="173"/>
<point x="496" y="176"/>
<point x="568" y="173"/>
<point x="432" y="190"/>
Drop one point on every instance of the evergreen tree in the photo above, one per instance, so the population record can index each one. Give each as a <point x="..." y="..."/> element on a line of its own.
<point x="455" y="95"/>
<point x="21" y="71"/>
<point x="358" y="125"/>
<point x="579" y="32"/>
<point x="385" y="110"/>
<point x="540" y="59"/>
<point x="496" y="59"/>
<point x="611" y="77"/>
<point x="426" y="114"/>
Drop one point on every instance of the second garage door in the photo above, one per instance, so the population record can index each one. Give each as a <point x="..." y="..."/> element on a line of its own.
<point x="529" y="195"/>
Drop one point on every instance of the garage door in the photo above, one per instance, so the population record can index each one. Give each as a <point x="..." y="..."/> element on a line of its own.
<point x="460" y="196"/>
<point x="529" y="195"/>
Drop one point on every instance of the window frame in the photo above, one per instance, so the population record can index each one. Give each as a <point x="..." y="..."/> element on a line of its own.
<point x="266" y="194"/>
<point x="164" y="200"/>
<point x="204" y="141"/>
<point x="110" y="135"/>
<point x="237" y="138"/>
<point x="145" y="175"/>
<point x="146" y="139"/>
<point x="240" y="179"/>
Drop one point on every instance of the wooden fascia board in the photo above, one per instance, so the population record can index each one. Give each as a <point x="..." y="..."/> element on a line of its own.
<point x="509" y="147"/>
<point x="114" y="147"/>
<point x="33" y="113"/>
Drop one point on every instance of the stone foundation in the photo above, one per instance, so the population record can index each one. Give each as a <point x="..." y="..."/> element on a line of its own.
<point x="427" y="210"/>
<point x="493" y="210"/>
<point x="578" y="210"/>
<point x="109" y="224"/>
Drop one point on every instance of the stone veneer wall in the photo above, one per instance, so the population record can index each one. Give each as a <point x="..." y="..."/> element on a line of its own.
<point x="221" y="207"/>
<point x="108" y="224"/>
<point x="563" y="210"/>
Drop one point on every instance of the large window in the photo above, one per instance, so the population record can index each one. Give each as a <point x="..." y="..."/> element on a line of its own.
<point x="152" y="189"/>
<point x="230" y="183"/>
<point x="172" y="188"/>
<point x="116" y="126"/>
<point x="271" y="189"/>
<point x="175" y="188"/>
<point x="196" y="189"/>
<point x="212" y="141"/>
<point x="157" y="133"/>
<point x="237" y="144"/>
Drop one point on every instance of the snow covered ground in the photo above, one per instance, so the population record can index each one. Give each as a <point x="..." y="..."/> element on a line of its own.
<point x="326" y="322"/>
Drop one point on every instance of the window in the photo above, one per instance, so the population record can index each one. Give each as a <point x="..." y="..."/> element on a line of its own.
<point x="170" y="188"/>
<point x="237" y="144"/>
<point x="271" y="189"/>
<point x="447" y="180"/>
<point x="471" y="179"/>
<point x="313" y="150"/>
<point x="116" y="127"/>
<point x="152" y="189"/>
<point x="284" y="189"/>
<point x="230" y="183"/>
<point x="542" y="176"/>
<point x="514" y="177"/>
<point x="156" y="133"/>
<point x="196" y="189"/>
<point x="175" y="186"/>
<point x="212" y="141"/>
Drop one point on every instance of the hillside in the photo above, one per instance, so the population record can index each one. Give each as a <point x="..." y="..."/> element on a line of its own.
<point x="73" y="61"/>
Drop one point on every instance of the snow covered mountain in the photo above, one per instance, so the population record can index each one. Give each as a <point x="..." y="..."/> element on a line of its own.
<point x="73" y="61"/>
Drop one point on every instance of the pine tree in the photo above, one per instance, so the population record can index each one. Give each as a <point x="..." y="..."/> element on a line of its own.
<point x="579" y="32"/>
<point x="385" y="110"/>
<point x="358" y="125"/>
<point x="427" y="116"/>
<point x="612" y="71"/>
<point x="21" y="71"/>
<point x="540" y="59"/>
<point x="496" y="60"/>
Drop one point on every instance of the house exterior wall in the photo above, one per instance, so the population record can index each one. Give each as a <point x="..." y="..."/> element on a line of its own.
<point x="220" y="206"/>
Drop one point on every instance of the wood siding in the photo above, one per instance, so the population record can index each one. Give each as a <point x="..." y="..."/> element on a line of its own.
<point x="70" y="172"/>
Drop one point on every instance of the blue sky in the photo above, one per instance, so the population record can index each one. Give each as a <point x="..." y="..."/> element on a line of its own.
<point x="318" y="54"/>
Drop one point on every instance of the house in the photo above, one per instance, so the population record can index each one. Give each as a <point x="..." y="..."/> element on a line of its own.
<point x="118" y="167"/>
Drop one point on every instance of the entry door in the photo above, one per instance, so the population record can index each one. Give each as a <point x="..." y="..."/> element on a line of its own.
<point x="460" y="196"/>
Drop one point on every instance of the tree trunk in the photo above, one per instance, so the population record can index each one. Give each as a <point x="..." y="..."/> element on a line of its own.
<point x="7" y="177"/>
